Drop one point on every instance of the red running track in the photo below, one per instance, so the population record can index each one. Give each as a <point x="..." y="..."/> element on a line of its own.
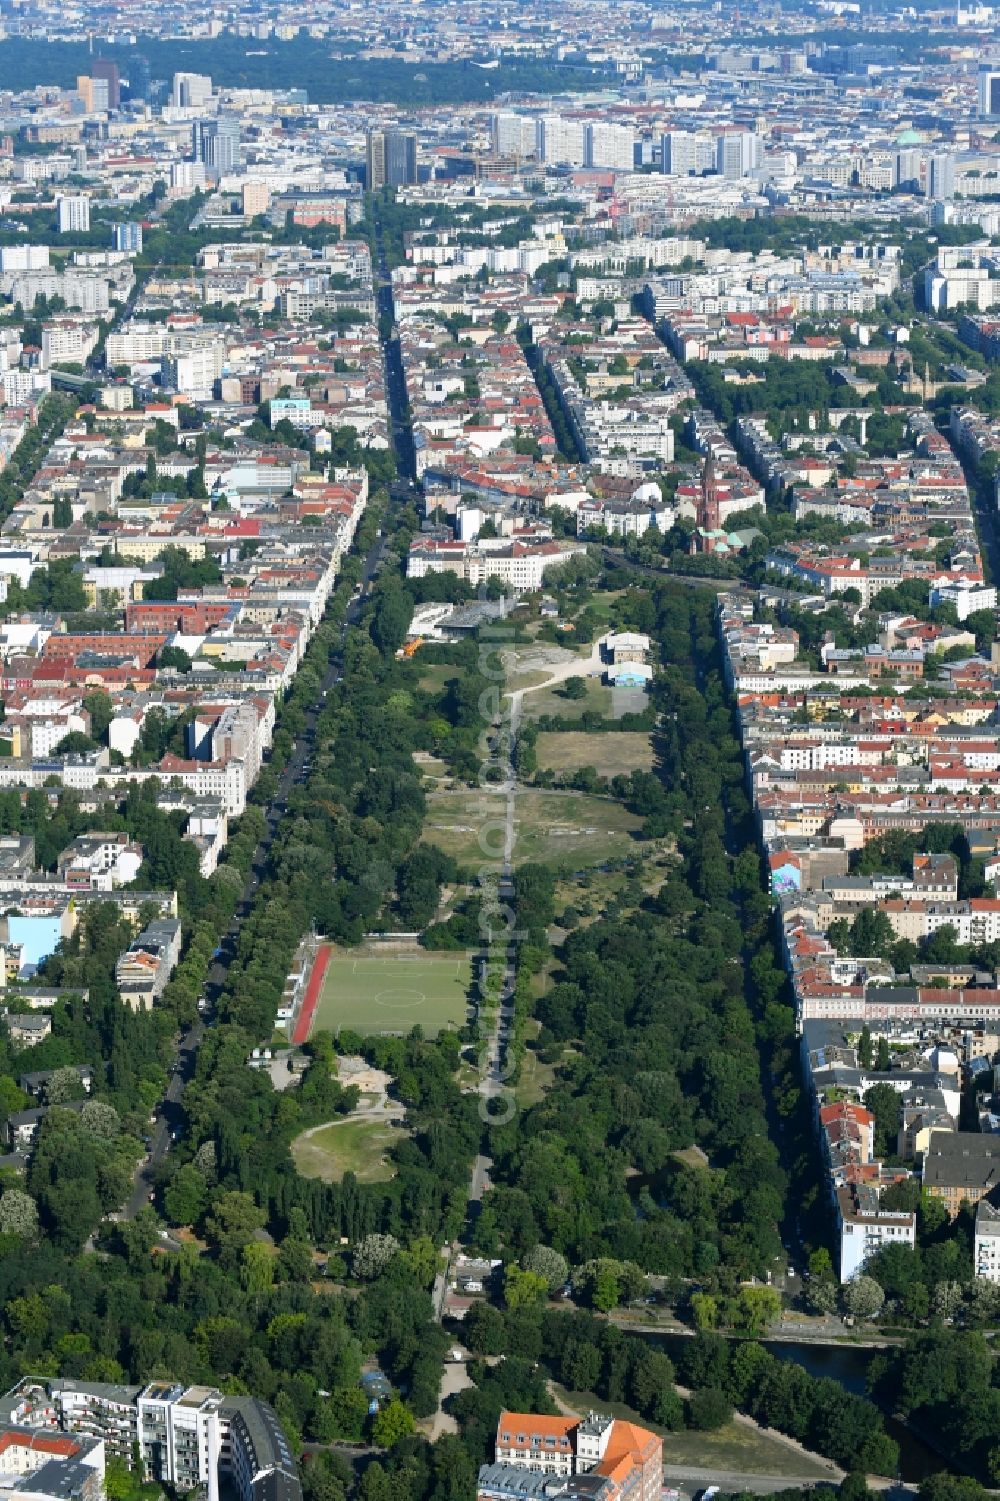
<point x="313" y="989"/>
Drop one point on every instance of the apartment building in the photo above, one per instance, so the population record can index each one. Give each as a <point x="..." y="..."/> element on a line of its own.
<point x="177" y="1433"/>
<point x="216" y="142"/>
<point x="24" y="258"/>
<point x="511" y="134"/>
<point x="67" y="342"/>
<point x="73" y="214"/>
<point x="619" y="1459"/>
<point x="137" y="342"/>
<point x="193" y="371"/>
<point x="185" y="1437"/>
<point x="142" y="972"/>
<point x="627" y="438"/>
<point x="961" y="1167"/>
<point x="44" y="721"/>
<point x="608" y="145"/>
<point x="626" y="518"/>
<point x="824" y="785"/>
<point x="963" y="274"/>
<point x="686" y="153"/>
<point x="90" y="292"/>
<point x="49" y="1467"/>
<point x="390" y="159"/>
<point x="254" y="1452"/>
<point x="34" y="925"/>
<point x="986" y="1250"/>
<point x="128" y="237"/>
<point x="864" y="1227"/>
<point x="26" y="1028"/>
<point x="240" y="730"/>
<point x="191" y="90"/>
<point x="519" y="566"/>
<point x="737" y="154"/>
<point x="99" y="861"/>
<point x="101" y="1410"/>
<point x="560" y="140"/>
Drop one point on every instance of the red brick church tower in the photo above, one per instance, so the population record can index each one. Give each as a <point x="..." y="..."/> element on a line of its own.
<point x="708" y="511"/>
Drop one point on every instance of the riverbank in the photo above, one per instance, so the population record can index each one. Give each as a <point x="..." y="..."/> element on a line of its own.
<point x="845" y="1362"/>
<point x="832" y="1334"/>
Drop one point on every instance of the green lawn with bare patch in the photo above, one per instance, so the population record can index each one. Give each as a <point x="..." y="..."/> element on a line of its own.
<point x="550" y="827"/>
<point x="349" y="1146"/>
<point x="616" y="753"/>
<point x="692" y="1157"/>
<point x="535" y="1080"/>
<point x="734" y="1448"/>
<point x="434" y="675"/>
<point x="739" y="1449"/>
<point x="429" y="766"/>
<point x="554" y="701"/>
<point x="535" y="1077"/>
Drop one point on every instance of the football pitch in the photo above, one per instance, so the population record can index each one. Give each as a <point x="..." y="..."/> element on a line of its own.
<point x="371" y="994"/>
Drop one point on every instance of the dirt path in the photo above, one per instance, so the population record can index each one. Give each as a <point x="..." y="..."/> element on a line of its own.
<point x="454" y="1379"/>
<point x="578" y="667"/>
<point x="563" y="1407"/>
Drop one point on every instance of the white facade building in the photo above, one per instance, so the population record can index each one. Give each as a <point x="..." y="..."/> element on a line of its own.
<point x="941" y="175"/>
<point x="77" y="289"/>
<point x="512" y="135"/>
<point x="609" y="146"/>
<point x="624" y="518"/>
<point x="194" y="371"/>
<point x="963" y="274"/>
<point x="865" y="1228"/>
<point x="137" y="342"/>
<point x="560" y="141"/>
<point x="686" y="153"/>
<point x="986" y="1251"/>
<point x="738" y="153"/>
<point x="186" y="176"/>
<point x="520" y="566"/>
<point x="73" y="214"/>
<point x="965" y="596"/>
<point x="191" y="90"/>
<point x="988" y="91"/>
<point x="188" y="1437"/>
<point x="67" y="343"/>
<point x="24" y="258"/>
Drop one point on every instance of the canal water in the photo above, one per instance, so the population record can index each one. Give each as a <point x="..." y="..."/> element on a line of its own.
<point x="847" y="1364"/>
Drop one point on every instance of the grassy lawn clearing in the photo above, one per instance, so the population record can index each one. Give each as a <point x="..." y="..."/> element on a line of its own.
<point x="349" y="1146"/>
<point x="535" y="1079"/>
<point x="612" y="754"/>
<point x="737" y="1447"/>
<point x="550" y="826"/>
<point x="734" y="1448"/>
<point x="432" y="770"/>
<point x="434" y="675"/>
<point x="692" y="1157"/>
<point x="553" y="701"/>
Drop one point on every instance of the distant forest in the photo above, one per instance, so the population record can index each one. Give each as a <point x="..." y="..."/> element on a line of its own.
<point x="304" y="63"/>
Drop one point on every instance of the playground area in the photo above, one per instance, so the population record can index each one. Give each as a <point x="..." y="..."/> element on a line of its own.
<point x="379" y="989"/>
